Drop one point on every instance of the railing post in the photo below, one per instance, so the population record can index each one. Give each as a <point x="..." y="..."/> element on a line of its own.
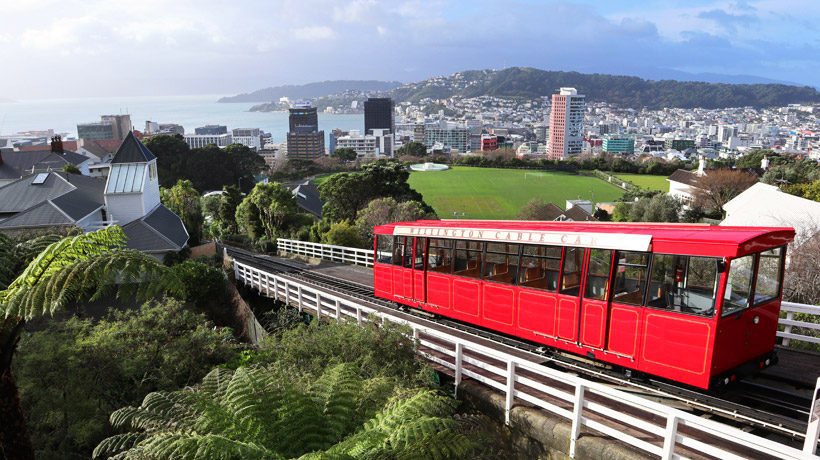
<point x="787" y="329"/>
<point x="415" y="340"/>
<point x="577" y="415"/>
<point x="813" y="431"/>
<point x="459" y="355"/>
<point x="276" y="289"/>
<point x="318" y="306"/>
<point x="287" y="294"/>
<point x="358" y="316"/>
<point x="299" y="297"/>
<point x="510" y="391"/>
<point x="338" y="310"/>
<point x="670" y="437"/>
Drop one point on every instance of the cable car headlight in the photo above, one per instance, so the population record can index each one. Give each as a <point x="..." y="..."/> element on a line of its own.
<point x="756" y="319"/>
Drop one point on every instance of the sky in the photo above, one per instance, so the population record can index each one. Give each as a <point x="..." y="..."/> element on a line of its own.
<point x="84" y="48"/>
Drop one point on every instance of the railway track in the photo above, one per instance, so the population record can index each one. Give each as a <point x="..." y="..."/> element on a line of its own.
<point x="747" y="404"/>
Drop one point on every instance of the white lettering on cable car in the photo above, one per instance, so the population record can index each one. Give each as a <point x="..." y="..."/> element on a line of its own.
<point x="622" y="241"/>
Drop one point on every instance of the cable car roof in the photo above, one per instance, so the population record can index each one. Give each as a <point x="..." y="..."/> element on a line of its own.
<point x="691" y="239"/>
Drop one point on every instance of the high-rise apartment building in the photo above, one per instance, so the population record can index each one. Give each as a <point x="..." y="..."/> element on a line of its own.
<point x="566" y="124"/>
<point x="304" y="138"/>
<point x="109" y="127"/>
<point x="378" y="114"/>
<point x="251" y="137"/>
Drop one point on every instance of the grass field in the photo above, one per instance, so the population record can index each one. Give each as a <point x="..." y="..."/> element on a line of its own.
<point x="646" y="181"/>
<point x="487" y="193"/>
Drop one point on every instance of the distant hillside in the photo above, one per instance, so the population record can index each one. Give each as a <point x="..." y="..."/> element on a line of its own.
<point x="625" y="91"/>
<point x="311" y="90"/>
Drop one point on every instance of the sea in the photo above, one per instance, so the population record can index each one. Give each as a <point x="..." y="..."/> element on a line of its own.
<point x="63" y="115"/>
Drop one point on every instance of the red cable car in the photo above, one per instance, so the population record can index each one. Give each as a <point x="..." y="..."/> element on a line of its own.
<point x="696" y="304"/>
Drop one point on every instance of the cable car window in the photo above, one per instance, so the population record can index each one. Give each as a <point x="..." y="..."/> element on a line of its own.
<point x="439" y="255"/>
<point x="769" y="268"/>
<point x="539" y="267"/>
<point x="408" y="252"/>
<point x="398" y="250"/>
<point x="630" y="277"/>
<point x="571" y="271"/>
<point x="418" y="261"/>
<point x="501" y="263"/>
<point x="683" y="283"/>
<point x="739" y="285"/>
<point x="384" y="249"/>
<point x="468" y="259"/>
<point x="598" y="270"/>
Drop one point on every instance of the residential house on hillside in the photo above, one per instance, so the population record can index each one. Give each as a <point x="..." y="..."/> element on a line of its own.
<point x="307" y="197"/>
<point x="574" y="213"/>
<point x="17" y="164"/>
<point x="128" y="197"/>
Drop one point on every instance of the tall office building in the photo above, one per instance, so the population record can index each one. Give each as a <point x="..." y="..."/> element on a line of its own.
<point x="109" y="127"/>
<point x="566" y="124"/>
<point x="304" y="138"/>
<point x="378" y="114"/>
<point x="211" y="130"/>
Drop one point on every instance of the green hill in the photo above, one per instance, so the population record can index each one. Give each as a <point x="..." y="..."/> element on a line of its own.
<point x="526" y="82"/>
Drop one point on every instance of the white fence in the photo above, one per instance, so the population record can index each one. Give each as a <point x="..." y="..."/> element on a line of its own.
<point x="645" y="425"/>
<point x="789" y="323"/>
<point x="365" y="257"/>
<point x="327" y="251"/>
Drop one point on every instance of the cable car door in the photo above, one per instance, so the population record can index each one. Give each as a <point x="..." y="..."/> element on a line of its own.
<point x="595" y="301"/>
<point x="419" y="264"/>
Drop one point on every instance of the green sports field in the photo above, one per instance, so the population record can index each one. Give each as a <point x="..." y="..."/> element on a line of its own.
<point x="646" y="181"/>
<point x="488" y="193"/>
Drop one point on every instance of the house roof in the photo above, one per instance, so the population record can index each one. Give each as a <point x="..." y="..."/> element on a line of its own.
<point x="132" y="151"/>
<point x="577" y="214"/>
<point x="101" y="147"/>
<point x="18" y="164"/>
<point x="72" y="196"/>
<point x="684" y="177"/>
<point x="307" y="197"/>
<point x="159" y="231"/>
<point x="766" y="205"/>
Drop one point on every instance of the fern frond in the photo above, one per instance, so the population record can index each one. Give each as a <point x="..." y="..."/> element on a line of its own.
<point x="118" y="443"/>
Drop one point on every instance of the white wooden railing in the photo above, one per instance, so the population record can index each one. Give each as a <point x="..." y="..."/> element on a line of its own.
<point x="365" y="257"/>
<point x="813" y="324"/>
<point x="327" y="251"/>
<point x="661" y="430"/>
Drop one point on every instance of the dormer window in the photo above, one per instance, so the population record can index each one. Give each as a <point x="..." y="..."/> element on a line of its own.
<point x="125" y="178"/>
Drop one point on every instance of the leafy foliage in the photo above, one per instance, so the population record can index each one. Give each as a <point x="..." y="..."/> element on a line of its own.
<point x="413" y="149"/>
<point x="184" y="201"/>
<point x="343" y="234"/>
<point x="89" y="266"/>
<point x="658" y="208"/>
<point x="719" y="186"/>
<point x="386" y="210"/>
<point x="73" y="374"/>
<point x="265" y="211"/>
<point x="345" y="154"/>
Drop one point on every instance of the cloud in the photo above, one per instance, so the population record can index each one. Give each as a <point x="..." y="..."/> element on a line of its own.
<point x="727" y="20"/>
<point x="313" y="33"/>
<point x="357" y="11"/>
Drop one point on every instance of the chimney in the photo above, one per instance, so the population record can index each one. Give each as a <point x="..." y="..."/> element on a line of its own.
<point x="701" y="165"/>
<point x="764" y="163"/>
<point x="57" y="144"/>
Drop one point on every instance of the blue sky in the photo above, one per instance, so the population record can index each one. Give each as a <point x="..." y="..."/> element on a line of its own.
<point x="70" y="48"/>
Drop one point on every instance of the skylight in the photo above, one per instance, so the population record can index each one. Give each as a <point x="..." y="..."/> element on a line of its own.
<point x="39" y="179"/>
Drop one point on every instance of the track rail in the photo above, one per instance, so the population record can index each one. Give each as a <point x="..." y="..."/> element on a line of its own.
<point x="771" y="413"/>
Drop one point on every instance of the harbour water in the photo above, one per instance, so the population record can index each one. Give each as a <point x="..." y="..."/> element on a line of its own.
<point x="63" y="115"/>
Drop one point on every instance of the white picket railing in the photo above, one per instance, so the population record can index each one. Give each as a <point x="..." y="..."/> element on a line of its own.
<point x="365" y="257"/>
<point x="788" y="334"/>
<point x="653" y="427"/>
<point x="327" y="251"/>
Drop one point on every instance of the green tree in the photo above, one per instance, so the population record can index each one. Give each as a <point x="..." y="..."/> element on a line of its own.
<point x="244" y="162"/>
<point x="70" y="168"/>
<point x="85" y="266"/>
<point x="345" y="154"/>
<point x="413" y="149"/>
<point x="659" y="208"/>
<point x="231" y="198"/>
<point x="73" y="374"/>
<point x="810" y="191"/>
<point x="343" y="234"/>
<point x="265" y="211"/>
<point x="184" y="200"/>
<point x="171" y="151"/>
<point x="387" y="210"/>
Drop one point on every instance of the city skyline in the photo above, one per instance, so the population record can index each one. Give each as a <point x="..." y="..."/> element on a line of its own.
<point x="154" y="48"/>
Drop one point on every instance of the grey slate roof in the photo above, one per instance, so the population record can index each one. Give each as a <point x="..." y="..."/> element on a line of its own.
<point x="20" y="195"/>
<point x="18" y="164"/>
<point x="684" y="177"/>
<point x="577" y="214"/>
<point x="307" y="197"/>
<point x="44" y="214"/>
<point x="160" y="231"/>
<point x="132" y="151"/>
